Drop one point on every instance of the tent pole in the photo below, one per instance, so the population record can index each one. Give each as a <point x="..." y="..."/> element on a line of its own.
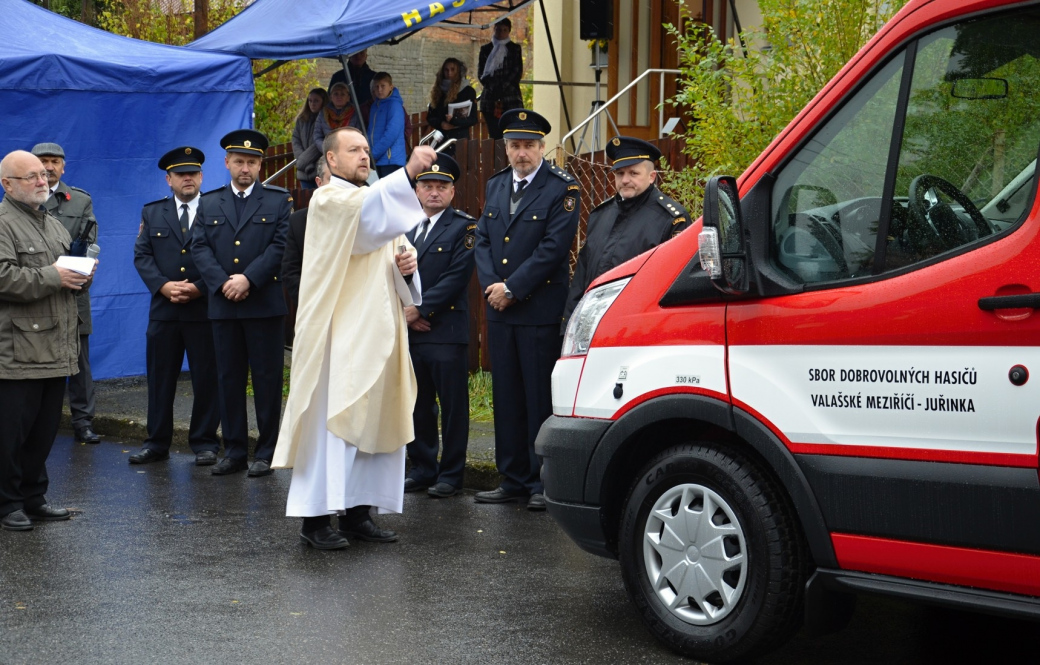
<point x="353" y="96"/>
<point x="556" y="66"/>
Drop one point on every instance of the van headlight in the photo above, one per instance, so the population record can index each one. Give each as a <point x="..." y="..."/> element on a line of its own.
<point x="587" y="315"/>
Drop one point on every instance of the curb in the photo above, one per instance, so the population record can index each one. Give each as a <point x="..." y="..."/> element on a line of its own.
<point x="480" y="474"/>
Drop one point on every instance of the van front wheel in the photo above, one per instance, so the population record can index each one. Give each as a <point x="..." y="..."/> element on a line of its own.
<point x="711" y="555"/>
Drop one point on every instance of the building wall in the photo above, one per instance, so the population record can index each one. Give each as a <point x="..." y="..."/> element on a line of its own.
<point x="415" y="61"/>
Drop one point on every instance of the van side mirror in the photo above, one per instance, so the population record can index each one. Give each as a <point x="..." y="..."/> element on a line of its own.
<point x="723" y="254"/>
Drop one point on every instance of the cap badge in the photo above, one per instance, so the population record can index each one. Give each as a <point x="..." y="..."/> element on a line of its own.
<point x="522" y="115"/>
<point x="247" y="143"/>
<point x="435" y="168"/>
<point x="187" y="151"/>
<point x="616" y="141"/>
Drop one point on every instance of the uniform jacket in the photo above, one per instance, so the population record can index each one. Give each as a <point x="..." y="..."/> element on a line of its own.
<point x="292" y="259"/>
<point x="504" y="85"/>
<point x="222" y="245"/>
<point x="445" y="268"/>
<point x="620" y="230"/>
<point x="38" y="318"/>
<point x="529" y="251"/>
<point x="75" y="210"/>
<point x="162" y="254"/>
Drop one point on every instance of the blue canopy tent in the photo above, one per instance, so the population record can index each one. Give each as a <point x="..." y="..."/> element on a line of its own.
<point x="115" y="105"/>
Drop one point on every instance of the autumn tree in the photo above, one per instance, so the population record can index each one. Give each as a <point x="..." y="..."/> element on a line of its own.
<point x="279" y="94"/>
<point x="742" y="92"/>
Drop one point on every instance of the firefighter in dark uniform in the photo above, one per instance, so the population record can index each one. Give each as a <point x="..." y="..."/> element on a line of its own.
<point x="438" y="334"/>
<point x="524" y="238"/>
<point x="75" y="210"/>
<point x="237" y="246"/>
<point x="178" y="321"/>
<point x="639" y="216"/>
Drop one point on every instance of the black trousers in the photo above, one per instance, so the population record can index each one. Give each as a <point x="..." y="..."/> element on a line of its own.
<point x="522" y="361"/>
<point x="167" y="342"/>
<point x="440" y="371"/>
<point x="243" y="346"/>
<point x="29" y="410"/>
<point x="81" y="388"/>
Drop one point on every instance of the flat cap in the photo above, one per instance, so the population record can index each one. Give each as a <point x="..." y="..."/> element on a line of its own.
<point x="48" y="150"/>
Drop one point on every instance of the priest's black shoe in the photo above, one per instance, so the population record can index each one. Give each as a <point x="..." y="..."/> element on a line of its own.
<point x="260" y="467"/>
<point x="499" y="495"/>
<point x="87" y="435"/>
<point x="441" y="491"/>
<point x="413" y="485"/>
<point x="47" y="513"/>
<point x="205" y="458"/>
<point x="227" y="466"/>
<point x="324" y="539"/>
<point x="147" y="456"/>
<point x="369" y="532"/>
<point x="16" y="521"/>
<point x="536" y="502"/>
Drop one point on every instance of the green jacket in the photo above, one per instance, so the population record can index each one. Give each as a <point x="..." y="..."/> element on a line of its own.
<point x="38" y="331"/>
<point x="75" y="210"/>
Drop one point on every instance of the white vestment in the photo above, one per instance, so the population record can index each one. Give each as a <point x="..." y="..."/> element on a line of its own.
<point x="330" y="472"/>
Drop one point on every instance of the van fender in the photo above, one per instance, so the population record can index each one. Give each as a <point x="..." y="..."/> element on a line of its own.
<point x="715" y="412"/>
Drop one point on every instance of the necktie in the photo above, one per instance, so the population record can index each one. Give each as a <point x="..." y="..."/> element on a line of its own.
<point x="519" y="193"/>
<point x="185" y="219"/>
<point x="240" y="205"/>
<point x="420" y="235"/>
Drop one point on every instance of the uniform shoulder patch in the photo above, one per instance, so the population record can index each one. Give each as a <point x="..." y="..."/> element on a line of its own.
<point x="573" y="187"/>
<point x="471" y="236"/>
<point x="470" y="227"/>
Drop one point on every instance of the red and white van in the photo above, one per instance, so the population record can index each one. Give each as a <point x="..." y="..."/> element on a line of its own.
<point x="824" y="389"/>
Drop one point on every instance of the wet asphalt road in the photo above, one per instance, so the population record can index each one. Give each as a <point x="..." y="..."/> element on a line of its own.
<point x="167" y="564"/>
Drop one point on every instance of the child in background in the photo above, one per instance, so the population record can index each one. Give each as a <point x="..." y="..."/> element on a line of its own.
<point x="386" y="125"/>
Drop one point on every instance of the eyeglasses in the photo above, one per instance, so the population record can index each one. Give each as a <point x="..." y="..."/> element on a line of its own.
<point x="32" y="177"/>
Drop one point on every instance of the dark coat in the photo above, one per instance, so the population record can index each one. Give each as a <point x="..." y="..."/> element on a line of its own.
<point x="445" y="268"/>
<point x="222" y="245"/>
<point x="529" y="251"/>
<point x="75" y="210"/>
<point x="620" y="230"/>
<point x="504" y="85"/>
<point x="292" y="260"/>
<point x="163" y="254"/>
<point x="435" y="116"/>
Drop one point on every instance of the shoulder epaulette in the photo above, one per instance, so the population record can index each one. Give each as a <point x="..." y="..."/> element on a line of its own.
<point x="560" y="173"/>
<point x="151" y="203"/>
<point x="465" y="215"/>
<point x="669" y="204"/>
<point x="81" y="191"/>
<point x="214" y="191"/>
<point x="275" y="188"/>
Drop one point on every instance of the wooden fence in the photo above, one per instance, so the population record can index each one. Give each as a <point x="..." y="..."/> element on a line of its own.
<point x="479" y="159"/>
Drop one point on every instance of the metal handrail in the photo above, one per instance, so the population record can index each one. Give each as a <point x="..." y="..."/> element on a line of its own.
<point x="280" y="172"/>
<point x="602" y="107"/>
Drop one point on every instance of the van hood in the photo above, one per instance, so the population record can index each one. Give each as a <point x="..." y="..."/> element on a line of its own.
<point x="626" y="269"/>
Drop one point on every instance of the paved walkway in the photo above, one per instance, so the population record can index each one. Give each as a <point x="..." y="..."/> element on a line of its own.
<point x="122" y="412"/>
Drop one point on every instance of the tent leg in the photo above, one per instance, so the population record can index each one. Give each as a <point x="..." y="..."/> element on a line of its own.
<point x="556" y="66"/>
<point x="353" y="97"/>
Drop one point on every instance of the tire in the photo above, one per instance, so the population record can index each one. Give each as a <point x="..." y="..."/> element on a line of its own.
<point x="749" y="561"/>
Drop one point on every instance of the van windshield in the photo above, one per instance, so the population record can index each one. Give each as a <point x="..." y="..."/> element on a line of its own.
<point x="966" y="167"/>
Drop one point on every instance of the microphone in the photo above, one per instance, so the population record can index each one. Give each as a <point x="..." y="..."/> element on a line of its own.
<point x="93" y="251"/>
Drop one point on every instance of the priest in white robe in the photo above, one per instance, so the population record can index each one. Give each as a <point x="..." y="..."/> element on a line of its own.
<point x="349" y="412"/>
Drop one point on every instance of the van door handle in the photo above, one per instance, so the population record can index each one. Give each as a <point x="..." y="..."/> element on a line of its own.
<point x="1019" y="301"/>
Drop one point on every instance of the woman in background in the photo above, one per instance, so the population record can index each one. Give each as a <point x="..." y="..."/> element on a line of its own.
<point x="303" y="147"/>
<point x="451" y="87"/>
